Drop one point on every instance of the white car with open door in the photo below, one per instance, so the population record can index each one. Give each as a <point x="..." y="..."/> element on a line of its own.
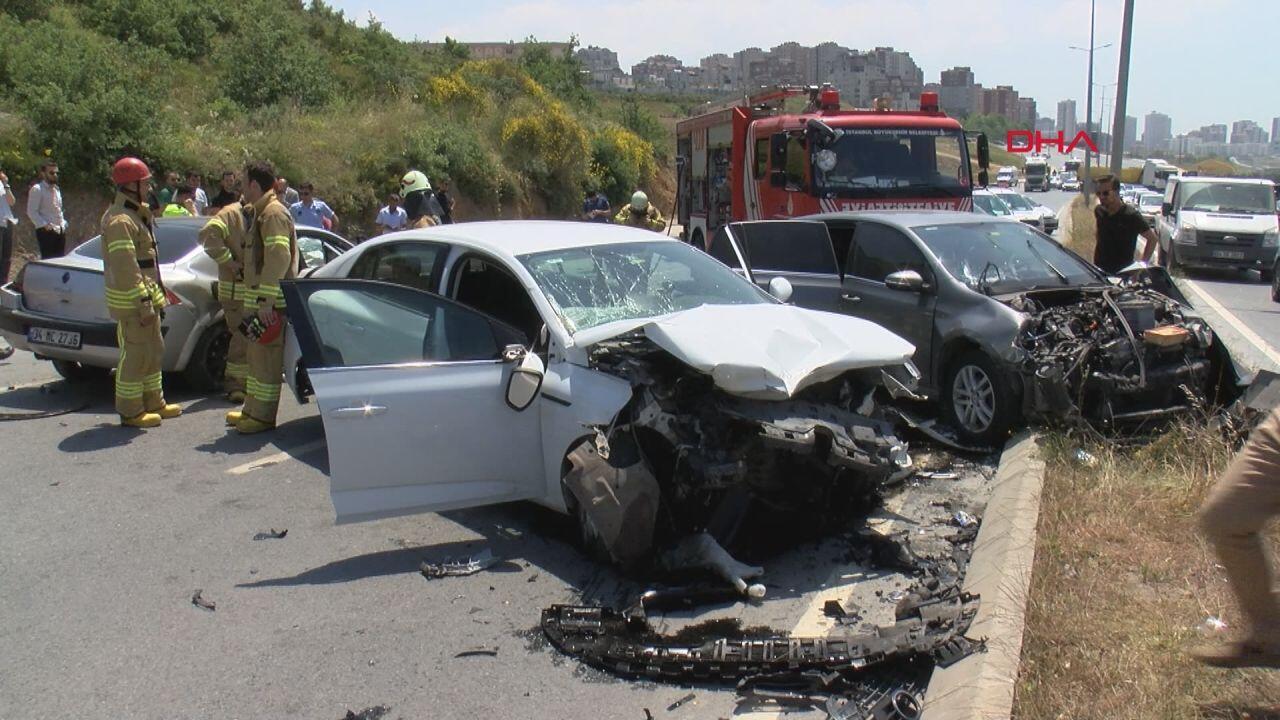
<point x="627" y="379"/>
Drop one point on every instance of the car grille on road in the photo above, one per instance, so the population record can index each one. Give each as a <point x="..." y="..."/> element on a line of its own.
<point x="1230" y="239"/>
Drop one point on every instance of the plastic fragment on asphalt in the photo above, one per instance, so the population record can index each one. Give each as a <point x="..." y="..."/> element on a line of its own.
<point x="272" y="534"/>
<point x="376" y="712"/>
<point x="458" y="568"/>
<point x="1084" y="457"/>
<point x="198" y="600"/>
<point x="963" y="519"/>
<point x="477" y="652"/>
<point x="675" y="705"/>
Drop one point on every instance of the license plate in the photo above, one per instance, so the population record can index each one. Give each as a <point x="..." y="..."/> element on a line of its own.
<point x="60" y="338"/>
<point x="1228" y="254"/>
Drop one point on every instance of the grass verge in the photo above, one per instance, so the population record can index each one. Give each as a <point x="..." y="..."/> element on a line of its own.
<point x="1083" y="232"/>
<point x="1123" y="585"/>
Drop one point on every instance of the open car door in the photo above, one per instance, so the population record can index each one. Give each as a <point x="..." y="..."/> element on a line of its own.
<point x="413" y="392"/>
<point x="798" y="250"/>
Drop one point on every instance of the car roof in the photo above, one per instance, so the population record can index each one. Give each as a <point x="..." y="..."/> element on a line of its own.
<point x="1205" y="178"/>
<point x="911" y="218"/>
<point x="512" y="238"/>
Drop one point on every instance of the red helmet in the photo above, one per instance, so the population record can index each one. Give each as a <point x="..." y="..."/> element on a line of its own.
<point x="272" y="330"/>
<point x="128" y="170"/>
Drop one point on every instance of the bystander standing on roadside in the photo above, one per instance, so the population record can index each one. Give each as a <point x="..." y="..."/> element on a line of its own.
<point x="198" y="196"/>
<point x="44" y="207"/>
<point x="312" y="211"/>
<point x="227" y="193"/>
<point x="285" y="194"/>
<point x="183" y="204"/>
<point x="7" y="221"/>
<point x="166" y="193"/>
<point x="392" y="217"/>
<point x="446" y="202"/>
<point x="595" y="208"/>
<point x="1119" y="225"/>
<point x="1240" y="506"/>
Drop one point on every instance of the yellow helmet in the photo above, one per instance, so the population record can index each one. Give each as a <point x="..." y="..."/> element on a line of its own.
<point x="639" y="200"/>
<point x="413" y="181"/>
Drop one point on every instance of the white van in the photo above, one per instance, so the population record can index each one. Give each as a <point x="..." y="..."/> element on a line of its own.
<point x="1219" y="222"/>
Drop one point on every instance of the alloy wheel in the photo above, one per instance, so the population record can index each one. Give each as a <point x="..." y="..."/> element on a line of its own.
<point x="974" y="398"/>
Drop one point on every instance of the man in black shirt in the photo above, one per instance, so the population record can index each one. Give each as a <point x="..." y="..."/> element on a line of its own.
<point x="227" y="193"/>
<point x="1119" y="225"/>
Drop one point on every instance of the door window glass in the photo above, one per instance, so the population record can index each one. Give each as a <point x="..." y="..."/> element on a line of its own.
<point x="722" y="249"/>
<point x="409" y="264"/>
<point x="762" y="157"/>
<point x="378" y="325"/>
<point x="489" y="288"/>
<point x="800" y="247"/>
<point x="879" y="251"/>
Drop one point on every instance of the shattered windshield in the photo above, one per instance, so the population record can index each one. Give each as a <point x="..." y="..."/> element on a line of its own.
<point x="590" y="286"/>
<point x="1017" y="202"/>
<point x="1227" y="197"/>
<point x="991" y="205"/>
<point x="1003" y="257"/>
<point x="893" y="162"/>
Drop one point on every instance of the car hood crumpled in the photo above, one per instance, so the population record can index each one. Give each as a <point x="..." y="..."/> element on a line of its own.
<point x="771" y="352"/>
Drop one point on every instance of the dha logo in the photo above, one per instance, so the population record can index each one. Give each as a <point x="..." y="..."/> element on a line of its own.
<point x="1029" y="141"/>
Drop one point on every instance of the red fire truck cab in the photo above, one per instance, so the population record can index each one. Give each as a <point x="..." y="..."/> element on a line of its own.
<point x="753" y="161"/>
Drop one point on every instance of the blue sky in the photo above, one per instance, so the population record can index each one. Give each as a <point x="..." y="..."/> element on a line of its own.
<point x="1199" y="61"/>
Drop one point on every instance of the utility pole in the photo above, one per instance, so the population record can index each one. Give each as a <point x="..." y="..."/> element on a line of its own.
<point x="1122" y="92"/>
<point x="1086" y="182"/>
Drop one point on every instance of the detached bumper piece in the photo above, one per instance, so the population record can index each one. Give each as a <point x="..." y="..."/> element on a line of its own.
<point x="624" y="644"/>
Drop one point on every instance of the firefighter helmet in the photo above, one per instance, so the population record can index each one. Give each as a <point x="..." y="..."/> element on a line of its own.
<point x="639" y="201"/>
<point x="259" y="332"/>
<point x="128" y="170"/>
<point x="412" y="181"/>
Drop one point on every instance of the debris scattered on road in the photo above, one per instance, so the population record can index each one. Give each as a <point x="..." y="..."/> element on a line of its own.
<point x="533" y="578"/>
<point x="459" y="568"/>
<point x="675" y="705"/>
<point x="963" y="519"/>
<point x="198" y="600"/>
<point x="376" y="712"/>
<point x="272" y="534"/>
<point x="476" y="652"/>
<point x="648" y="715"/>
<point x="1084" y="457"/>
<point x="833" y="609"/>
<point x="1213" y="624"/>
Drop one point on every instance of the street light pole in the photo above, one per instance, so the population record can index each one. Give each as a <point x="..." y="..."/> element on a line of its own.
<point x="1086" y="185"/>
<point x="1122" y="92"/>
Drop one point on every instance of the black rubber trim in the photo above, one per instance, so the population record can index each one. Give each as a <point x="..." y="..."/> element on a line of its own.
<point x="556" y="400"/>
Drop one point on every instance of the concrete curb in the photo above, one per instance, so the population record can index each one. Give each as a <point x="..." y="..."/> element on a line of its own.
<point x="982" y="685"/>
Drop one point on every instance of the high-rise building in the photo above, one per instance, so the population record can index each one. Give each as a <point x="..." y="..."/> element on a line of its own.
<point x="1001" y="100"/>
<point x="1130" y="131"/>
<point x="959" y="76"/>
<point x="958" y="94"/>
<point x="718" y="72"/>
<point x="1027" y="112"/>
<point x="1045" y="126"/>
<point x="1247" y="131"/>
<point x="1157" y="131"/>
<point x="1275" y="130"/>
<point x="1067" y="118"/>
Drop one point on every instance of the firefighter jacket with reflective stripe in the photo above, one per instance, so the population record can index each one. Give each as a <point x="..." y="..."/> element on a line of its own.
<point x="131" y="277"/>
<point x="272" y="253"/>
<point x="223" y="238"/>
<point x="650" y="219"/>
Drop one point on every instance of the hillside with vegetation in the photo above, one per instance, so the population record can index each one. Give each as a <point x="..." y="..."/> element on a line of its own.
<point x="349" y="107"/>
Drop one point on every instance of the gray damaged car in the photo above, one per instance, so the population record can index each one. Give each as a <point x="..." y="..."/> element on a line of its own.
<point x="1008" y="325"/>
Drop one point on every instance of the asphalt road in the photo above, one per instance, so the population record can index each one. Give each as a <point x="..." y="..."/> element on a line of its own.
<point x="1239" y="307"/>
<point x="109" y="531"/>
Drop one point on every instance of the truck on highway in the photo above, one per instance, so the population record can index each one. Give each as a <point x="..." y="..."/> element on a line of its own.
<point x="1035" y="173"/>
<point x="1156" y="173"/>
<point x="754" y="160"/>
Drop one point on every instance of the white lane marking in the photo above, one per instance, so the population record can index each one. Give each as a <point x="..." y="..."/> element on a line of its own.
<point x="1234" y="322"/>
<point x="277" y="458"/>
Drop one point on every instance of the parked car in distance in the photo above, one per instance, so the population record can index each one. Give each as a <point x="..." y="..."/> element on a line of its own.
<point x="1219" y="222"/>
<point x="1148" y="203"/>
<point x="987" y="203"/>
<point x="1070" y="181"/>
<point x="1023" y="210"/>
<point x="1007" y="176"/>
<point x="488" y="362"/>
<point x="1006" y="323"/>
<point x="57" y="309"/>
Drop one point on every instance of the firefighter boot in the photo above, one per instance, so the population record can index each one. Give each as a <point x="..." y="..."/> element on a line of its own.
<point x="249" y="426"/>
<point x="234" y="417"/>
<point x="143" y="420"/>
<point x="169" y="411"/>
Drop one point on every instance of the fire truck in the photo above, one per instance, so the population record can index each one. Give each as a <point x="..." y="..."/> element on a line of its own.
<point x="754" y="161"/>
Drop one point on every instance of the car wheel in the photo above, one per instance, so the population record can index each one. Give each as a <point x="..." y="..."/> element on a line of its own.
<point x="1275" y="282"/>
<point x="74" y="372"/>
<point x="208" y="363"/>
<point x="1268" y="274"/>
<point x="976" y="402"/>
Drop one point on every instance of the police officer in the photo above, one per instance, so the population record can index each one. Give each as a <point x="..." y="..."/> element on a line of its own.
<point x="135" y="297"/>
<point x="641" y="213"/>
<point x="271" y="256"/>
<point x="223" y="239"/>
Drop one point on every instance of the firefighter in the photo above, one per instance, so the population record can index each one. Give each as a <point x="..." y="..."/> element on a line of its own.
<point x="419" y="201"/>
<point x="135" y="297"/>
<point x="223" y="239"/>
<point x="641" y="213"/>
<point x="271" y="255"/>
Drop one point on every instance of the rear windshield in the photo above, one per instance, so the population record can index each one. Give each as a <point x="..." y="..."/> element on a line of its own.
<point x="173" y="240"/>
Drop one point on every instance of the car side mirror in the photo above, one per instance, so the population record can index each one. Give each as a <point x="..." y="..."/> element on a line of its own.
<point x="780" y="288"/>
<point x="905" y="280"/>
<point x="526" y="378"/>
<point x="1166" y="208"/>
<point x="983" y="178"/>
<point x="778" y="178"/>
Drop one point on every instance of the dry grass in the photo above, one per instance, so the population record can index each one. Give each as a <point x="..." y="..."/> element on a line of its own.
<point x="1122" y="584"/>
<point x="1083" y="231"/>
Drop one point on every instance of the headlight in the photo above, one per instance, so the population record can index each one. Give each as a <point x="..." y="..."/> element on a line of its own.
<point x="1186" y="234"/>
<point x="1270" y="238"/>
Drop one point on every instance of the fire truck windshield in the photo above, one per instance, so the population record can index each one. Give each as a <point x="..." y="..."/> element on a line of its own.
<point x="893" y="163"/>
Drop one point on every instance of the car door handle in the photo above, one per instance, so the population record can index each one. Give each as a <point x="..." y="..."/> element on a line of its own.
<point x="850" y="298"/>
<point x="362" y="411"/>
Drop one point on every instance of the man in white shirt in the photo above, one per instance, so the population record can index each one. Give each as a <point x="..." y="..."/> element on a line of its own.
<point x="198" y="197"/>
<point x="392" y="217"/>
<point x="44" y="207"/>
<point x="7" y="221"/>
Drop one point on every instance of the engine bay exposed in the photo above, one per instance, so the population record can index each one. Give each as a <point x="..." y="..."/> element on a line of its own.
<point x="684" y="456"/>
<point x="1111" y="358"/>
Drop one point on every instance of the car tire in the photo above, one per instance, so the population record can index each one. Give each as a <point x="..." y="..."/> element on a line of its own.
<point x="74" y="372"/>
<point x="1275" y="282"/>
<point x="1268" y="275"/>
<point x="208" y="363"/>
<point x="979" y="406"/>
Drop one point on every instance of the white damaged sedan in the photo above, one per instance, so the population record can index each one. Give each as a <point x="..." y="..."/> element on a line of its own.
<point x="626" y="379"/>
